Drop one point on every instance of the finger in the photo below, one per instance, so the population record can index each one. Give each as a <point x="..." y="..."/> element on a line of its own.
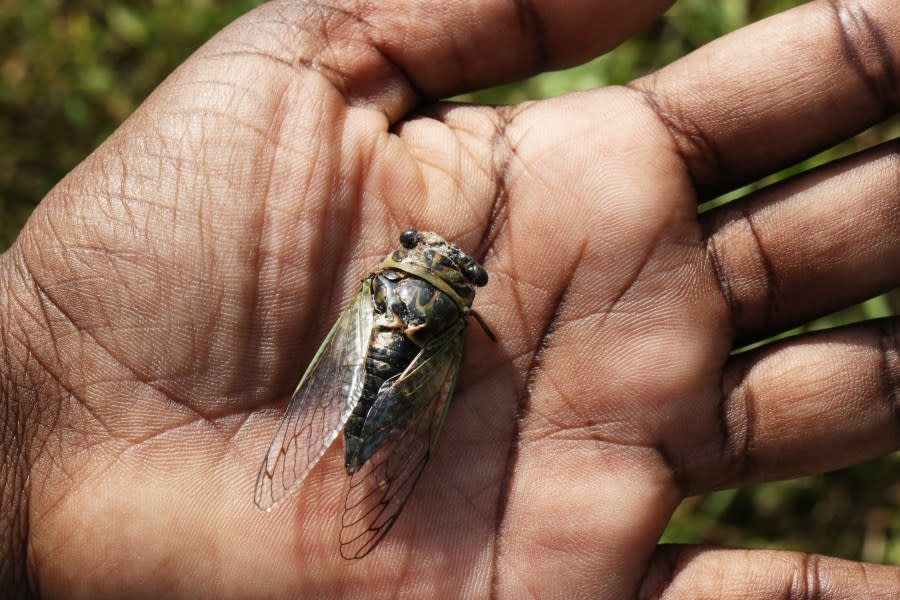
<point x="808" y="405"/>
<point x="690" y="572"/>
<point x="390" y="54"/>
<point x="810" y="246"/>
<point x="779" y="90"/>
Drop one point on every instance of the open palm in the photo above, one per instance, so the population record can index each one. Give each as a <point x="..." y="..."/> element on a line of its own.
<point x="162" y="302"/>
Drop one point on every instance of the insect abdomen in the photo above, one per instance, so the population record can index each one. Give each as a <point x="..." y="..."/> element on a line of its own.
<point x="411" y="312"/>
<point x="389" y="353"/>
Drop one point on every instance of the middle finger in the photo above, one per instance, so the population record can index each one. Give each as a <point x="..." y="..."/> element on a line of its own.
<point x="809" y="246"/>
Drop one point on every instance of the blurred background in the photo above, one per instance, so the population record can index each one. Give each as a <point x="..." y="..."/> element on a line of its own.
<point x="70" y="72"/>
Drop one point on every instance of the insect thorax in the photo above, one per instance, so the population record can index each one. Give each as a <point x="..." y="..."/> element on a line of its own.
<point x="413" y="305"/>
<point x="439" y="266"/>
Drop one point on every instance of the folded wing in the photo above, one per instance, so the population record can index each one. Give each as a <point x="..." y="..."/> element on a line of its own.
<point x="401" y="430"/>
<point x="320" y="405"/>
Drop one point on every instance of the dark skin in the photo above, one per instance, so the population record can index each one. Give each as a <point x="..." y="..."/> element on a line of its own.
<point x="161" y="303"/>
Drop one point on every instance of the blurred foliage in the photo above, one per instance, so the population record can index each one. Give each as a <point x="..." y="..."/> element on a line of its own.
<point x="72" y="71"/>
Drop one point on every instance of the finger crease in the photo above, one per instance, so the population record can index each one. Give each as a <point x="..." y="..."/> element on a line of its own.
<point x="724" y="283"/>
<point x="736" y="417"/>
<point x="692" y="145"/>
<point x="771" y="281"/>
<point x="806" y="584"/>
<point x="867" y="51"/>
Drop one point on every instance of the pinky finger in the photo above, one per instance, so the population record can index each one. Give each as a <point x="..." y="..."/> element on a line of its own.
<point x="681" y="572"/>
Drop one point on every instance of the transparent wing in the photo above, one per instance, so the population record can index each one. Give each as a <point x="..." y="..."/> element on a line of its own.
<point x="321" y="404"/>
<point x="407" y="419"/>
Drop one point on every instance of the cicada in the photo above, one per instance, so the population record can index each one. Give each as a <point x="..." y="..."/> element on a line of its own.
<point x="384" y="376"/>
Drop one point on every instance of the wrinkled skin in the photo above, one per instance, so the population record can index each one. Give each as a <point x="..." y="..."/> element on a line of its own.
<point x="163" y="300"/>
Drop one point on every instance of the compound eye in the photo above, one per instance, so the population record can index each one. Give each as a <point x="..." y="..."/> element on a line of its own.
<point x="476" y="273"/>
<point x="409" y="238"/>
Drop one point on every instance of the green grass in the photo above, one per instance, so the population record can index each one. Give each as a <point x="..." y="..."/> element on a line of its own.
<point x="71" y="72"/>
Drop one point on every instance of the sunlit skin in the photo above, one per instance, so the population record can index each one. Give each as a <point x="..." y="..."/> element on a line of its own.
<point x="161" y="303"/>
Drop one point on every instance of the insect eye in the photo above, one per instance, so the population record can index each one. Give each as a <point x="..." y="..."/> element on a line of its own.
<point x="409" y="238"/>
<point x="475" y="273"/>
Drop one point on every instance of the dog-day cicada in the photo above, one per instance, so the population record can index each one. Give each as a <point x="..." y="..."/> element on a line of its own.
<point x="384" y="376"/>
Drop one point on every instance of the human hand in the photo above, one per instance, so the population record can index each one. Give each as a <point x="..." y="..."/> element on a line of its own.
<point x="163" y="300"/>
